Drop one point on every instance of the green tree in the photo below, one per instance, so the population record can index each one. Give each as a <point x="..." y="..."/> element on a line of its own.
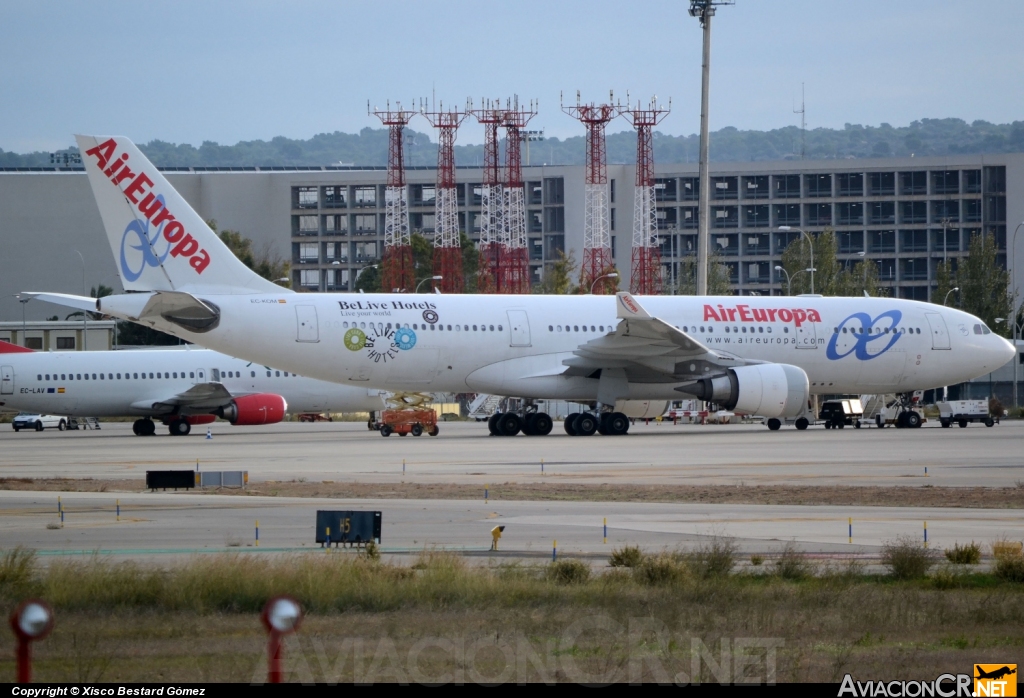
<point x="263" y="261"/>
<point x="368" y="279"/>
<point x="558" y="276"/>
<point x="718" y="276"/>
<point x="831" y="277"/>
<point x="984" y="284"/>
<point x="945" y="282"/>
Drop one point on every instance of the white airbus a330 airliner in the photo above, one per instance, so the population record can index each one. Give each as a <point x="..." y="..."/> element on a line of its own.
<point x="624" y="355"/>
<point x="179" y="387"/>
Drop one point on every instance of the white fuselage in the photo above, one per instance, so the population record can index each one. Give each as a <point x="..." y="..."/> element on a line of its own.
<point x="516" y="345"/>
<point x="129" y="383"/>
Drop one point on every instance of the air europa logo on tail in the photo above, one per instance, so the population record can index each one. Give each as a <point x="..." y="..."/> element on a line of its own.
<point x="744" y="313"/>
<point x="150" y="205"/>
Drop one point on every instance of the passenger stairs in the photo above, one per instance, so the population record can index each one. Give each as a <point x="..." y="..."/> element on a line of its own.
<point x="875" y="405"/>
<point x="484" y="406"/>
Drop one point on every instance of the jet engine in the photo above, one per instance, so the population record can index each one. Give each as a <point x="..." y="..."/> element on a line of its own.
<point x="262" y="408"/>
<point x="766" y="390"/>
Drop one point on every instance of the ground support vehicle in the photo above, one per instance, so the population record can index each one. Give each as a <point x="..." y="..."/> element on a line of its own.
<point x="39" y="422"/>
<point x="837" y="414"/>
<point x="964" y="412"/>
<point x="410" y="421"/>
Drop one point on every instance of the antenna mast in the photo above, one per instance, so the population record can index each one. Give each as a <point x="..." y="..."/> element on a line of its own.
<point x="397" y="274"/>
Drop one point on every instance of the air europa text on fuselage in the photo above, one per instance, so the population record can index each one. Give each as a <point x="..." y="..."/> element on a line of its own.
<point x="744" y="313"/>
<point x="150" y="205"/>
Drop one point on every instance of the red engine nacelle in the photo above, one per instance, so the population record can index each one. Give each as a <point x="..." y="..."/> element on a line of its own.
<point x="263" y="408"/>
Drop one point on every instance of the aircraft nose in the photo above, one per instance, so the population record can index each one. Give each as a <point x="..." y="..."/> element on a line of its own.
<point x="1005" y="352"/>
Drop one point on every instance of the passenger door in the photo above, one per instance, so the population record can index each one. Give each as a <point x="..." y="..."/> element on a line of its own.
<point x="6" y="380"/>
<point x="200" y="376"/>
<point x="308" y="329"/>
<point x="519" y="325"/>
<point x="940" y="337"/>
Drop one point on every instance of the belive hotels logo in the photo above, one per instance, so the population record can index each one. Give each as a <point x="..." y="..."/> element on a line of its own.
<point x="149" y="204"/>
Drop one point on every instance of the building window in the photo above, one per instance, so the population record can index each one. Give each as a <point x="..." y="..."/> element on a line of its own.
<point x="819" y="185"/>
<point x="725" y="216"/>
<point x="554" y="219"/>
<point x="850" y="242"/>
<point x="972" y="211"/>
<point x="335" y="197"/>
<point x="850" y="214"/>
<point x="664" y="189"/>
<point x="366" y="196"/>
<point x="787" y="186"/>
<point x="67" y="343"/>
<point x="756" y="244"/>
<point x="913" y="241"/>
<point x="667" y="218"/>
<point x="913" y="183"/>
<point x="689" y="217"/>
<point x="886" y="269"/>
<point x="787" y="214"/>
<point x="819" y="214"/>
<point x="946" y="240"/>
<point x="336" y="224"/>
<point x="366" y="224"/>
<point x="305" y="197"/>
<point x="914" y="269"/>
<point x="850" y="184"/>
<point x="913" y="212"/>
<point x="756" y="216"/>
<point x="726" y="244"/>
<point x="972" y="181"/>
<point x="534" y="193"/>
<point x="945" y="210"/>
<point x="309" y="252"/>
<point x="690" y="188"/>
<point x="725" y="187"/>
<point x="882" y="213"/>
<point x="882" y="241"/>
<point x="946" y="182"/>
<point x="755" y="187"/>
<point x="309" y="278"/>
<point x="34" y="343"/>
<point x="881" y="184"/>
<point x="554" y="190"/>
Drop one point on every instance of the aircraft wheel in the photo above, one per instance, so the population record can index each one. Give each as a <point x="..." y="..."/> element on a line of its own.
<point x="616" y="424"/>
<point x="417" y="430"/>
<point x="492" y="423"/>
<point x="602" y="424"/>
<point x="570" y="423"/>
<point x="509" y="424"/>
<point x="802" y="423"/>
<point x="586" y="424"/>
<point x="62" y="426"/>
<point x="913" y="420"/>
<point x="137" y="427"/>
<point x="528" y="424"/>
<point x="774" y="424"/>
<point x="179" y="427"/>
<point x="385" y="430"/>
<point x="542" y="424"/>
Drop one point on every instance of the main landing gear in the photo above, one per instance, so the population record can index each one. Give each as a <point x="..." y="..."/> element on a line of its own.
<point x="586" y="424"/>
<point x="144" y="427"/>
<point x="510" y="424"/>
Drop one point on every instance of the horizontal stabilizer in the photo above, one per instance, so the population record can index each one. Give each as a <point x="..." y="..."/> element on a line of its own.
<point x="65" y="299"/>
<point x="8" y="348"/>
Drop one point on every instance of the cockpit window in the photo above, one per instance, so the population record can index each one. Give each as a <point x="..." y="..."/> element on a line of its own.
<point x="977" y="329"/>
<point x="985" y="330"/>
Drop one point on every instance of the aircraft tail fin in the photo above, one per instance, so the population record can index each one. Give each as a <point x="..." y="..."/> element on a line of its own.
<point x="159" y="242"/>
<point x="8" y="348"/>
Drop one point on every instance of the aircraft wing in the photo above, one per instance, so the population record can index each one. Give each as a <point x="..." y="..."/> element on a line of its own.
<point x="201" y="396"/>
<point x="648" y="348"/>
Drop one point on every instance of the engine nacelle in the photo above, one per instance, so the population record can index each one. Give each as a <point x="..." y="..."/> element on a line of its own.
<point x="641" y="409"/>
<point x="766" y="390"/>
<point x="262" y="408"/>
<point x="193" y="419"/>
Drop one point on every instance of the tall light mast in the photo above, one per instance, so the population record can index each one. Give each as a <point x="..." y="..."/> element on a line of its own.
<point x="704" y="10"/>
<point x="397" y="274"/>
<point x="645" y="272"/>
<point x="597" y="244"/>
<point x="447" y="243"/>
<point x="514" y="269"/>
<point x="491" y="116"/>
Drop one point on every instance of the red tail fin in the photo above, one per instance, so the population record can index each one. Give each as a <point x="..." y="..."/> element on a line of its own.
<point x="8" y="348"/>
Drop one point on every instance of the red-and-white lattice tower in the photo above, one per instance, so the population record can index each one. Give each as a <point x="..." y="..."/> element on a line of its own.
<point x="447" y="242"/>
<point x="645" y="272"/>
<point x="597" y="243"/>
<point x="490" y="115"/>
<point x="397" y="273"/>
<point x="514" y="267"/>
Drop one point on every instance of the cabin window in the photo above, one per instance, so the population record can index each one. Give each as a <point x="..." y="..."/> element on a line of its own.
<point x="277" y="374"/>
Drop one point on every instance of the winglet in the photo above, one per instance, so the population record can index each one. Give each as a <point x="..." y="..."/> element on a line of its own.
<point x="8" y="348"/>
<point x="628" y="308"/>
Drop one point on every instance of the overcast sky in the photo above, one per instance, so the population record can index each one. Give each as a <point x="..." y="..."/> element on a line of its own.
<point x="189" y="71"/>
